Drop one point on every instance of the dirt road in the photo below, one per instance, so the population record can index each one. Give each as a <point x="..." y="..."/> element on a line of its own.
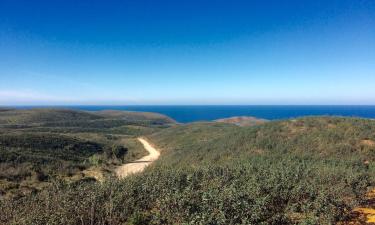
<point x="364" y="214"/>
<point x="367" y="211"/>
<point x="140" y="164"/>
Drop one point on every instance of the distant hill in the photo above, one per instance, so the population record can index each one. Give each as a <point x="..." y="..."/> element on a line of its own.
<point x="40" y="116"/>
<point x="3" y="109"/>
<point x="31" y="116"/>
<point x="242" y="120"/>
<point x="135" y="116"/>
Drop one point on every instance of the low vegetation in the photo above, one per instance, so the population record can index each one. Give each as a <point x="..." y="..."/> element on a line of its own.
<point x="312" y="170"/>
<point x="40" y="146"/>
<point x="242" y="121"/>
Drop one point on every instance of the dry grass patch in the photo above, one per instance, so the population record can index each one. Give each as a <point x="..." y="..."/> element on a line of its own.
<point x="368" y="142"/>
<point x="365" y="214"/>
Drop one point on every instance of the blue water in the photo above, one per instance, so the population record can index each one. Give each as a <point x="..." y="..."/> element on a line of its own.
<point x="186" y="114"/>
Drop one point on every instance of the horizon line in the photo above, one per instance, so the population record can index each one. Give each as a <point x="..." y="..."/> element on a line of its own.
<point x="141" y="105"/>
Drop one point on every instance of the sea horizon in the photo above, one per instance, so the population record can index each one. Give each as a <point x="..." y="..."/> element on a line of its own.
<point x="194" y="113"/>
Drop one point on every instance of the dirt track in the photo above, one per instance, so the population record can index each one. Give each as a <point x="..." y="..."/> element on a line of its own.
<point x="140" y="164"/>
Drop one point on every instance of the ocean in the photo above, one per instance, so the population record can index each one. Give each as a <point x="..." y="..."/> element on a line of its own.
<point x="185" y="114"/>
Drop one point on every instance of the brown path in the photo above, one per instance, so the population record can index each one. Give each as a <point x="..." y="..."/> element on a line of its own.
<point x="140" y="164"/>
<point x="365" y="214"/>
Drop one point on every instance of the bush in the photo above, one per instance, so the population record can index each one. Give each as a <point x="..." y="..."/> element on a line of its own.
<point x="307" y="171"/>
<point x="115" y="152"/>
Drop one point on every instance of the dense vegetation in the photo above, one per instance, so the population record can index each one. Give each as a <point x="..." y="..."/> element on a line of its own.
<point x="304" y="171"/>
<point x="41" y="146"/>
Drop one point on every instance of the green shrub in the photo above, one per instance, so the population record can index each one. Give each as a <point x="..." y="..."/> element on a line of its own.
<point x="305" y="171"/>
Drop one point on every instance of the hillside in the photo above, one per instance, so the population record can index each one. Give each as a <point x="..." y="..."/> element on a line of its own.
<point x="39" y="116"/>
<point x="136" y="116"/>
<point x="242" y="120"/>
<point x="320" y="137"/>
<point x="312" y="170"/>
<point x="72" y="121"/>
<point x="42" y="146"/>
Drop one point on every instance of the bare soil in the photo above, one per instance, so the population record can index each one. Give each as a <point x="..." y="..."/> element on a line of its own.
<point x="140" y="164"/>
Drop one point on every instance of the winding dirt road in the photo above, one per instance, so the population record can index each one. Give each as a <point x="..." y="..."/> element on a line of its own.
<point x="140" y="164"/>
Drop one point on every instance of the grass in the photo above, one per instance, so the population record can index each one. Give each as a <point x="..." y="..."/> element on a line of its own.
<point x="40" y="146"/>
<point x="311" y="170"/>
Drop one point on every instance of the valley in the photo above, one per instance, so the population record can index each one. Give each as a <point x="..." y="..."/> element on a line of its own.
<point x="62" y="167"/>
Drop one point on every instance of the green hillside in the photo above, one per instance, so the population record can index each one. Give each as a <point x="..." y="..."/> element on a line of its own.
<point x="63" y="121"/>
<point x="310" y="170"/>
<point x="318" y="137"/>
<point x="38" y="116"/>
<point x="42" y="146"/>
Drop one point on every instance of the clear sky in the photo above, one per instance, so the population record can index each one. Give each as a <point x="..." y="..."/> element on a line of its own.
<point x="187" y="52"/>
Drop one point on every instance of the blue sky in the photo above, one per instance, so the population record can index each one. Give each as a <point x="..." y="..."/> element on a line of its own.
<point x="187" y="52"/>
